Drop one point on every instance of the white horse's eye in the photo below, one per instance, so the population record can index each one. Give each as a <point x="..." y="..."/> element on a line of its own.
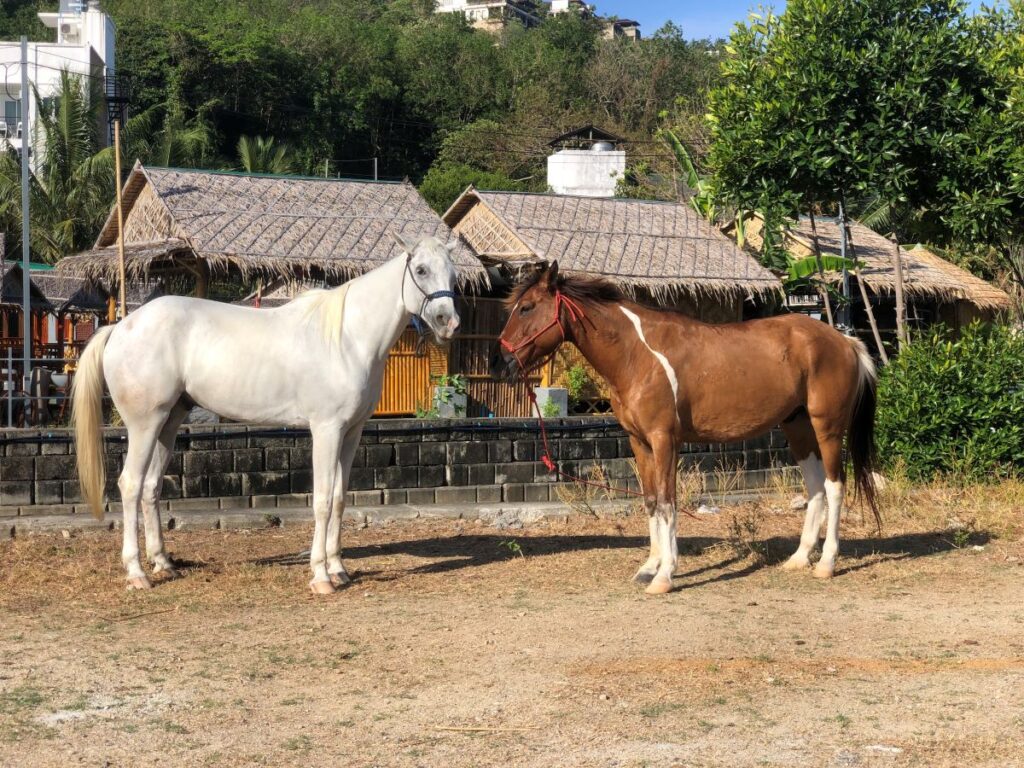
<point x="421" y="271"/>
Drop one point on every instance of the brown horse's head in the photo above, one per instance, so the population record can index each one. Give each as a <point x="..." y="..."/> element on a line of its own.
<point x="535" y="324"/>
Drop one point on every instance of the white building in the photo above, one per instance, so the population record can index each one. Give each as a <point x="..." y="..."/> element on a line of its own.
<point x="84" y="46"/>
<point x="587" y="163"/>
<point x="491" y="15"/>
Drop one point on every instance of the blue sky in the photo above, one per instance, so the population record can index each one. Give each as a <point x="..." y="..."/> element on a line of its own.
<point x="698" y="18"/>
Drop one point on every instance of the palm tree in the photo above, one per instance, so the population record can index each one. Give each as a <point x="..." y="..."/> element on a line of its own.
<point x="265" y="155"/>
<point x="72" y="186"/>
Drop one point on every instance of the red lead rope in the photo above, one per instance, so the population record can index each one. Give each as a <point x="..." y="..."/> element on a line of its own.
<point x="575" y="313"/>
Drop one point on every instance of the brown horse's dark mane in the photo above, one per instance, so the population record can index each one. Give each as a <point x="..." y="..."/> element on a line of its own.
<point x="589" y="289"/>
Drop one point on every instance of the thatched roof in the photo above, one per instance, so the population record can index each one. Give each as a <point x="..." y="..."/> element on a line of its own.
<point x="664" y="248"/>
<point x="66" y="293"/>
<point x="924" y="273"/>
<point x="274" y="225"/>
<point x="11" y="287"/>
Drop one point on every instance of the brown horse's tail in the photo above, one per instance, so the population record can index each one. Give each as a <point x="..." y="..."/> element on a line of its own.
<point x="862" y="429"/>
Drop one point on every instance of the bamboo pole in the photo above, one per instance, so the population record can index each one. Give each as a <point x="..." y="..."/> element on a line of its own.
<point x="867" y="302"/>
<point x="901" y="306"/>
<point x="120" y="220"/>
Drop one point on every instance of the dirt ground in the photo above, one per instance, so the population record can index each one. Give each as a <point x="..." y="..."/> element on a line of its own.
<point x="462" y="645"/>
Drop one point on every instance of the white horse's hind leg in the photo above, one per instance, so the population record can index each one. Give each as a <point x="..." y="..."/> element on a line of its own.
<point x="326" y="445"/>
<point x="142" y="437"/>
<point x="335" y="568"/>
<point x="151" y="491"/>
<point x="814" y="481"/>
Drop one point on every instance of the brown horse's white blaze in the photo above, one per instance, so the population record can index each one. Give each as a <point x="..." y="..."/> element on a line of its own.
<point x="674" y="379"/>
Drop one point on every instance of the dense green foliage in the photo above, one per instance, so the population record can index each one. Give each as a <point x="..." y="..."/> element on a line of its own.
<point x="341" y="82"/>
<point x="907" y="111"/>
<point x="955" y="405"/>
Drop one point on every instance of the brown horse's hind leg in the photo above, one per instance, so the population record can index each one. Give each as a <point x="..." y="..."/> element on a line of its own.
<point x="645" y="470"/>
<point x="830" y="439"/>
<point x="804" y="446"/>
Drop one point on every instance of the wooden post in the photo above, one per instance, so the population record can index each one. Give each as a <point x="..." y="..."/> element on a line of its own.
<point x="821" y="270"/>
<point x="121" y="271"/>
<point x="202" y="272"/>
<point x="901" y="307"/>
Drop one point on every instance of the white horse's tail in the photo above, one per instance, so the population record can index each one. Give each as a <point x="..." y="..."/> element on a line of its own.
<point x="87" y="416"/>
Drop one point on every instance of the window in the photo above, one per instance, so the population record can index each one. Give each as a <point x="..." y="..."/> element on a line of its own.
<point x="12" y="110"/>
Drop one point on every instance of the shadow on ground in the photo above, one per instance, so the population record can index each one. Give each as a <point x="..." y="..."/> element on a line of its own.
<point x="454" y="553"/>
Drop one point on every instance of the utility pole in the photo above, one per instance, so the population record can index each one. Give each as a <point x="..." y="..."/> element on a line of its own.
<point x="121" y="270"/>
<point x="26" y="292"/>
<point x="375" y="169"/>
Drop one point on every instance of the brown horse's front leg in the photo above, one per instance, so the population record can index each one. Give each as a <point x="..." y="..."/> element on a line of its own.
<point x="663" y="448"/>
<point x="645" y="473"/>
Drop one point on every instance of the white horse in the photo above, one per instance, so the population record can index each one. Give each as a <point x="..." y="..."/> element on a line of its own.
<point x="316" y="362"/>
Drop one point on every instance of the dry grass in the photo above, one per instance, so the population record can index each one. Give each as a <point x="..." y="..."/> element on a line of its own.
<point x="452" y="649"/>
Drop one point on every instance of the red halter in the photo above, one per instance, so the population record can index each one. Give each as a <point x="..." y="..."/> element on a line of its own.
<point x="575" y="314"/>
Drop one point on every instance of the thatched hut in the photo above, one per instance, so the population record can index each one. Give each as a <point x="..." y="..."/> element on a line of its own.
<point x="658" y="252"/>
<point x="937" y="291"/>
<point x="205" y="223"/>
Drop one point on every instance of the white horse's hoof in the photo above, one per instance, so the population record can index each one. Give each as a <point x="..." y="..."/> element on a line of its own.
<point x="643" y="577"/>
<point x="340" y="579"/>
<point x="659" y="586"/>
<point x="321" y="587"/>
<point x="796" y="563"/>
<point x="139" y="582"/>
<point x="823" y="571"/>
<point x="167" y="573"/>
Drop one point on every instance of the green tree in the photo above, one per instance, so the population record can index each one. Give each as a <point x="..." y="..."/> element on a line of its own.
<point x="443" y="184"/>
<point x="842" y="100"/>
<point x="985" y="194"/>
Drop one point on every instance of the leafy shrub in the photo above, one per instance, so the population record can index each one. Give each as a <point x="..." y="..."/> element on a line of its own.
<point x="955" y="405"/>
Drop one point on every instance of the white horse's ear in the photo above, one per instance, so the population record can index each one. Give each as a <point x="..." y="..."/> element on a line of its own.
<point x="405" y="243"/>
<point x="451" y="246"/>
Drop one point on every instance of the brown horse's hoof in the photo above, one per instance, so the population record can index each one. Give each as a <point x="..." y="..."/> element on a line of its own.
<point x="340" y="579"/>
<point x="321" y="587"/>
<point x="139" y="582"/>
<point x="659" y="587"/>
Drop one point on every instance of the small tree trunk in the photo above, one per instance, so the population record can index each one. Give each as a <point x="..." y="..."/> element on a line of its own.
<point x="901" y="307"/>
<point x="867" y="306"/>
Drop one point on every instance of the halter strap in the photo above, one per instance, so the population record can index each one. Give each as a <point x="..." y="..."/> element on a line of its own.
<point x="576" y="314"/>
<point x="417" y="318"/>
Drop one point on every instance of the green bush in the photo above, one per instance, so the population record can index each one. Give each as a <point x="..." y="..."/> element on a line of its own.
<point x="955" y="405"/>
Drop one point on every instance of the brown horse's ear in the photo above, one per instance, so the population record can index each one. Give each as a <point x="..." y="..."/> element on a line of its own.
<point x="551" y="277"/>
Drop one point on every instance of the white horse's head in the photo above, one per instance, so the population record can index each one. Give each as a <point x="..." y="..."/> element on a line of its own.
<point x="428" y="283"/>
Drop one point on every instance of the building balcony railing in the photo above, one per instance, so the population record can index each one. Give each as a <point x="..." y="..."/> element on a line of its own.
<point x="10" y="129"/>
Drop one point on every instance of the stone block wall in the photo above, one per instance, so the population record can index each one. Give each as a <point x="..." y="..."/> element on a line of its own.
<point x="398" y="462"/>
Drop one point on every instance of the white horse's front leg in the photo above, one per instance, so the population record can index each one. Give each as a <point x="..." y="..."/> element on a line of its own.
<point x="335" y="568"/>
<point x="326" y="444"/>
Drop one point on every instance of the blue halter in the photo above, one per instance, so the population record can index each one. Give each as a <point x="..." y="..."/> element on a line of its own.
<point x="417" y="319"/>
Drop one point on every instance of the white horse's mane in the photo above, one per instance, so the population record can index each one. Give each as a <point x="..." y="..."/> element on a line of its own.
<point x="327" y="307"/>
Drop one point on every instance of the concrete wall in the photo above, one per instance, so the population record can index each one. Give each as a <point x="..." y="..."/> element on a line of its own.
<point x="399" y="461"/>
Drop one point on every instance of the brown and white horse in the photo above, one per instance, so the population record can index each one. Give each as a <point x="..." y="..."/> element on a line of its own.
<point x="674" y="379"/>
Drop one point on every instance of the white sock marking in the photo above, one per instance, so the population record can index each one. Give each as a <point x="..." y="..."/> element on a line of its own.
<point x="669" y="370"/>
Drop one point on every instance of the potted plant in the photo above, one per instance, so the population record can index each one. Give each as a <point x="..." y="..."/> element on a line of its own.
<point x="450" y="396"/>
<point x="552" y="401"/>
